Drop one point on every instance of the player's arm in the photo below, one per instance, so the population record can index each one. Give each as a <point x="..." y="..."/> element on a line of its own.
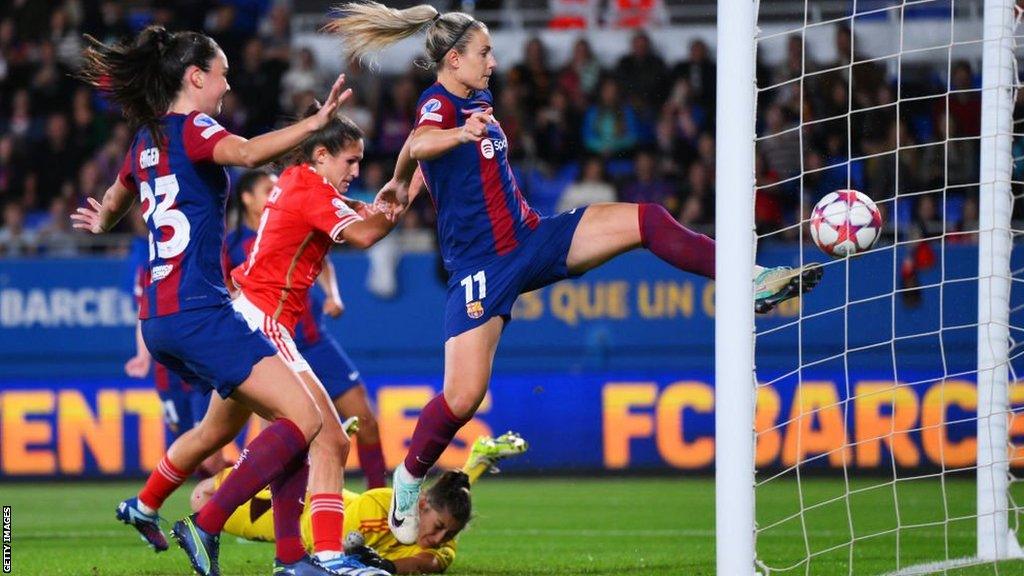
<point x="237" y="151"/>
<point x="407" y="182"/>
<point x="138" y="366"/>
<point x="99" y="217"/>
<point x="202" y="493"/>
<point x="365" y="233"/>
<point x="422" y="563"/>
<point x="429" y="142"/>
<point x="328" y="280"/>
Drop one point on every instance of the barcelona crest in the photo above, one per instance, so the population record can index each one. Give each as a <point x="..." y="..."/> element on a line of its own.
<point x="475" y="309"/>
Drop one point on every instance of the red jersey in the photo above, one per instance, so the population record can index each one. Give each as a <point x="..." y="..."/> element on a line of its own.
<point x="304" y="215"/>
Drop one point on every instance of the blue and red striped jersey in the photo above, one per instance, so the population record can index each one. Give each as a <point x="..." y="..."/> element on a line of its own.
<point x="481" y="213"/>
<point x="237" y="246"/>
<point x="183" y="194"/>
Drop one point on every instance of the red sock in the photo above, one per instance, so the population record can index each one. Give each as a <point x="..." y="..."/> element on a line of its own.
<point x="327" y="514"/>
<point x="287" y="492"/>
<point x="434" y="432"/>
<point x="265" y="458"/>
<point x="162" y="482"/>
<point x="371" y="460"/>
<point x="674" y="243"/>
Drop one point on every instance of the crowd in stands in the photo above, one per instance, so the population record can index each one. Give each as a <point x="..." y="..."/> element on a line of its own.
<point x="641" y="130"/>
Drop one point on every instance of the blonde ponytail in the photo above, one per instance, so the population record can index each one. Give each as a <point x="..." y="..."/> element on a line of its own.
<point x="369" y="27"/>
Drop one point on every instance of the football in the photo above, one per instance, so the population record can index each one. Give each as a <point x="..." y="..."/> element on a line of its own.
<point x="845" y="222"/>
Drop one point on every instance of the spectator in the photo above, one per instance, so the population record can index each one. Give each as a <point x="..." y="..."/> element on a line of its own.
<point x="698" y="198"/>
<point x="520" y="141"/>
<point x="535" y="77"/>
<point x="276" y="34"/>
<point x="111" y="24"/>
<point x="88" y="131"/>
<point x="780" y="144"/>
<point x="610" y="127"/>
<point x="557" y="130"/>
<point x="396" y="115"/>
<point x="359" y="113"/>
<point x="15" y="240"/>
<point x="964" y="101"/>
<point x="863" y="75"/>
<point x="54" y="160"/>
<point x="51" y="82"/>
<point x="255" y="82"/>
<point x="89" y="184"/>
<point x="643" y="73"/>
<point x="234" y="116"/>
<point x="592" y="187"/>
<point x="66" y="41"/>
<point x="11" y="168"/>
<point x="648" y="184"/>
<point x="579" y="78"/>
<point x="21" y="124"/>
<point x="303" y="76"/>
<point x="699" y="74"/>
<point x="57" y="237"/>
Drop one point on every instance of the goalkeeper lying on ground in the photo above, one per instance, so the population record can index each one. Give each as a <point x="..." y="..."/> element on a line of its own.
<point x="444" y="511"/>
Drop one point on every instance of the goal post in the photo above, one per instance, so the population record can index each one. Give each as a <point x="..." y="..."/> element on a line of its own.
<point x="734" y="262"/>
<point x="928" y="484"/>
<point x="995" y="541"/>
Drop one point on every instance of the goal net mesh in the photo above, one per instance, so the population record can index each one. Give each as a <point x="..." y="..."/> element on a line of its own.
<point x="867" y="396"/>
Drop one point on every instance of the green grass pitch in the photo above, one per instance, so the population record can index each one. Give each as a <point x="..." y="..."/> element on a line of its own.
<point x="560" y="527"/>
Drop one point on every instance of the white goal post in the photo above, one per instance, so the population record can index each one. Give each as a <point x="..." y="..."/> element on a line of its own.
<point x="993" y="520"/>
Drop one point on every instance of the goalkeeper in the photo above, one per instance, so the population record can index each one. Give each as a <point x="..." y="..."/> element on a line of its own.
<point x="444" y="510"/>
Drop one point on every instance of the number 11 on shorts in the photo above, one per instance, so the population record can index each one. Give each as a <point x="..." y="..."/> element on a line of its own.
<point x="481" y="282"/>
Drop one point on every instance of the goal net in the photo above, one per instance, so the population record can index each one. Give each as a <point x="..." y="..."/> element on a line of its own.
<point x="886" y="405"/>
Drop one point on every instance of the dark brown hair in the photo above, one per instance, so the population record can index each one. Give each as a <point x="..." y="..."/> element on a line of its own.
<point x="339" y="132"/>
<point x="144" y="75"/>
<point x="450" y="493"/>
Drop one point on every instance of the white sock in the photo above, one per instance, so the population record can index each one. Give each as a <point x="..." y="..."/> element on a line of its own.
<point x="328" y="555"/>
<point x="146" y="509"/>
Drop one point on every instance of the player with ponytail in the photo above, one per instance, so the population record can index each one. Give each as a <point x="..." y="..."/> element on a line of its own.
<point x="493" y="244"/>
<point x="169" y="85"/>
<point x="305" y="213"/>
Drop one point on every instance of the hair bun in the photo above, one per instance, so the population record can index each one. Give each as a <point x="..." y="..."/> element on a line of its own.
<point x="158" y="37"/>
<point x="459" y="479"/>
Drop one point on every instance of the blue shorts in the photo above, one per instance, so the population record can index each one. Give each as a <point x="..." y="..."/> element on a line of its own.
<point x="328" y="360"/>
<point x="478" y="293"/>
<point x="182" y="405"/>
<point x="211" y="348"/>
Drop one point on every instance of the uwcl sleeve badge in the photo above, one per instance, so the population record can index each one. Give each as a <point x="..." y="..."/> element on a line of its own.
<point x="475" y="309"/>
<point x="429" y="111"/>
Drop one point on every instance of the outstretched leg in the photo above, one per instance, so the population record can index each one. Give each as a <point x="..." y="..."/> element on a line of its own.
<point x="607" y="230"/>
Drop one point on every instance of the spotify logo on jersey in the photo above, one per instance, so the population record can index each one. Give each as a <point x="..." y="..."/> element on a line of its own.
<point x="487" y="148"/>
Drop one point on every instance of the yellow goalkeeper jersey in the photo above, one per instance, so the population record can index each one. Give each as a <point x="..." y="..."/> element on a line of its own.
<point x="366" y="513"/>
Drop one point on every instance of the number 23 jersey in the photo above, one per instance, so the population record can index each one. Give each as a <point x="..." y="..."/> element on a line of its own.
<point x="183" y="195"/>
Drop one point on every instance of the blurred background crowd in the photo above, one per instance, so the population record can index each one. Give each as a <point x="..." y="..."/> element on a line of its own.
<point x="638" y="129"/>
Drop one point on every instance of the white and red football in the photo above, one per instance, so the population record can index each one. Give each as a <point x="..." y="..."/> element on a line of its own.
<point x="845" y="222"/>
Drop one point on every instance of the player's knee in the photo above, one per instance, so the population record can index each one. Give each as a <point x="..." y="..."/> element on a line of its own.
<point x="309" y="419"/>
<point x="464" y="404"/>
<point x="332" y="444"/>
<point x="214" y="435"/>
